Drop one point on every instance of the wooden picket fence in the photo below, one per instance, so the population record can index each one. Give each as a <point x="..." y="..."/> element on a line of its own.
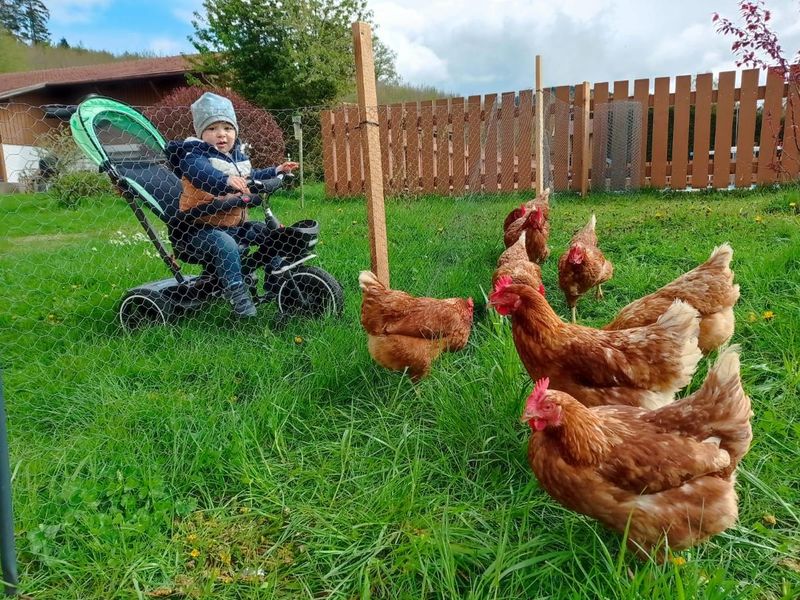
<point x="489" y="143"/>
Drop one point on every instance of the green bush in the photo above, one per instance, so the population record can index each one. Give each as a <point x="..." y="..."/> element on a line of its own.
<point x="71" y="189"/>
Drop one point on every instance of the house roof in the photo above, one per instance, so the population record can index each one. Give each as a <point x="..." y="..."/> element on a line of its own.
<point x="14" y="84"/>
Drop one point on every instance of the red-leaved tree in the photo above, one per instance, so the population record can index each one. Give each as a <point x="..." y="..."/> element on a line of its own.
<point x="257" y="127"/>
<point x="757" y="45"/>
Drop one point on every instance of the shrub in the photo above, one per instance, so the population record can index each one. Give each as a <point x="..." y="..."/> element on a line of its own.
<point x="57" y="152"/>
<point x="173" y="117"/>
<point x="71" y="189"/>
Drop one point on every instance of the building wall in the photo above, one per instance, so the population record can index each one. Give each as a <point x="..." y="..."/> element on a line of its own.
<point x="23" y="123"/>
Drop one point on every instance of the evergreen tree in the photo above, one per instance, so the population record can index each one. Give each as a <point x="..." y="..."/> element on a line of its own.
<point x="10" y="18"/>
<point x="33" y="16"/>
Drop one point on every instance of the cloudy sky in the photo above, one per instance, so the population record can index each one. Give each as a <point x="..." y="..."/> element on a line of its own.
<point x="469" y="47"/>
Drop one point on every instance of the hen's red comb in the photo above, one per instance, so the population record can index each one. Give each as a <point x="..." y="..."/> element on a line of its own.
<point x="539" y="390"/>
<point x="502" y="283"/>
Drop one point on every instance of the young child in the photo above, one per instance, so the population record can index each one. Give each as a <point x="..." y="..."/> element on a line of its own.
<point x="214" y="167"/>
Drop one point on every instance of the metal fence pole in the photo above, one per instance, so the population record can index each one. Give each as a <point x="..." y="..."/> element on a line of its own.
<point x="8" y="554"/>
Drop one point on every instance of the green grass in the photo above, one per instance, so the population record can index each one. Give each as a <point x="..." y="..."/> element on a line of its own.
<point x="217" y="460"/>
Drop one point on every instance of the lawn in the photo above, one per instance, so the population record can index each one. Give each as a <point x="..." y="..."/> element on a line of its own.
<point x="214" y="459"/>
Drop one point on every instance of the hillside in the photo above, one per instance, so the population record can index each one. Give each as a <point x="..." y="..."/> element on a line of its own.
<point x="16" y="56"/>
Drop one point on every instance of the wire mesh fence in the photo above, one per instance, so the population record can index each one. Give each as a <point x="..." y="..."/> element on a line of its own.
<point x="617" y="133"/>
<point x="174" y="268"/>
<point x="187" y="242"/>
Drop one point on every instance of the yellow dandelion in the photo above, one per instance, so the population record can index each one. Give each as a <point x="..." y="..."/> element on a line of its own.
<point x="678" y="561"/>
<point x="768" y="314"/>
<point x="752" y="317"/>
<point x="194" y="553"/>
<point x="298" y="340"/>
<point x="659" y="214"/>
<point x="191" y="537"/>
<point x="244" y="509"/>
<point x="759" y="218"/>
<point x="769" y="520"/>
<point x="225" y="579"/>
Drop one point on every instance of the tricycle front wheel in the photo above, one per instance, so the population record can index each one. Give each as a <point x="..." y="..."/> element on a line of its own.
<point x="309" y="291"/>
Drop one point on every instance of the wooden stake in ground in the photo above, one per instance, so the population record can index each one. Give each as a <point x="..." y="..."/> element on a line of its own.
<point x="371" y="145"/>
<point x="539" y="128"/>
<point x="584" y="141"/>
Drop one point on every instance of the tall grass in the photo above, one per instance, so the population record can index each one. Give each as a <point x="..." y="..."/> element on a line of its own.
<point x="214" y="459"/>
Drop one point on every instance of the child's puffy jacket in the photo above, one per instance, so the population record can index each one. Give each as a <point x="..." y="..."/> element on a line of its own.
<point x="204" y="173"/>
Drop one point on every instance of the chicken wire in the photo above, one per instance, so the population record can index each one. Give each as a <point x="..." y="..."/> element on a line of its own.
<point x="83" y="257"/>
<point x="616" y="146"/>
<point x="417" y="176"/>
<point x="68" y="206"/>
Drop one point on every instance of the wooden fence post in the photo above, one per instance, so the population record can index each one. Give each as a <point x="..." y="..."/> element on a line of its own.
<point x="580" y="140"/>
<point x="371" y="144"/>
<point x="539" y="128"/>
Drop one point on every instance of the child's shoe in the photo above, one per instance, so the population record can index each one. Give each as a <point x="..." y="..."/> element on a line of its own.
<point x="241" y="301"/>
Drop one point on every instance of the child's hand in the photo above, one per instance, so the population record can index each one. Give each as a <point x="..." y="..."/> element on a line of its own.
<point x="238" y="183"/>
<point x="287" y="167"/>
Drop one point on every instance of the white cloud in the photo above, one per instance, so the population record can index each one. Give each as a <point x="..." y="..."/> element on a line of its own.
<point x="472" y="48"/>
<point x="66" y="12"/>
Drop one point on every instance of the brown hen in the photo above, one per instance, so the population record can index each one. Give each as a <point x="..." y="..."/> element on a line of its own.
<point x="708" y="287"/>
<point x="667" y="473"/>
<point x="583" y="267"/>
<point x="406" y="332"/>
<point x="644" y="366"/>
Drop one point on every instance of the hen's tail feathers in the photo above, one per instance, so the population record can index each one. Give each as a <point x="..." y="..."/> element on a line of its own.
<point x="725" y="407"/>
<point x="682" y="321"/>
<point x="719" y="409"/>
<point x="592" y="222"/>
<point x="367" y="280"/>
<point x="721" y="256"/>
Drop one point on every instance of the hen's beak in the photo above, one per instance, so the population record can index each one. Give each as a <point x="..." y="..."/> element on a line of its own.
<point x="533" y="419"/>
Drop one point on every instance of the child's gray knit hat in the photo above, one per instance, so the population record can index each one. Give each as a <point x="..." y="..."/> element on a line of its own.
<point x="210" y="108"/>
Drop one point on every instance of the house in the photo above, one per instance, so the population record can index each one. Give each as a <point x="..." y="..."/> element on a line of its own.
<point x="35" y="103"/>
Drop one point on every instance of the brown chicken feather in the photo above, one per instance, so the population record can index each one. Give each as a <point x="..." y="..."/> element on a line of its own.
<point x="405" y="331"/>
<point x="668" y="472"/>
<point x="514" y="263"/>
<point x="516" y="213"/>
<point x="514" y="230"/>
<point x="644" y="366"/>
<point x="583" y="266"/>
<point x="708" y="287"/>
<point x="537" y="233"/>
<point x="541" y="201"/>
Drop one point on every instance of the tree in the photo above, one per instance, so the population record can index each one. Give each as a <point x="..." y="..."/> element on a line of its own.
<point x="283" y="53"/>
<point x="25" y="20"/>
<point x="63" y="43"/>
<point x="33" y="21"/>
<point x="9" y="17"/>
<point x="757" y="45"/>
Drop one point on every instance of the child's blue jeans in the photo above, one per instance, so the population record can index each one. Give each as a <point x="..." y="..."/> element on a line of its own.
<point x="219" y="248"/>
